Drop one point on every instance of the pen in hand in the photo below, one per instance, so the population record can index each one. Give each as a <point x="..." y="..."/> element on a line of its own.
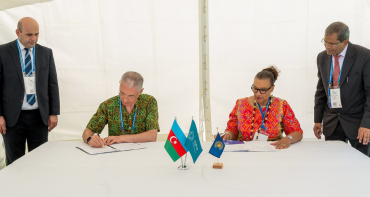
<point x="223" y="135"/>
<point x="101" y="139"/>
<point x="220" y="136"/>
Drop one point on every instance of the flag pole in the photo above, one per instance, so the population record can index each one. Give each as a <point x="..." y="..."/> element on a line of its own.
<point x="218" y="165"/>
<point x="182" y="167"/>
<point x="185" y="159"/>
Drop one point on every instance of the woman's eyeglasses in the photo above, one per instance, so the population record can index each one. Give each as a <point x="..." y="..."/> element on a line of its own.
<point x="262" y="90"/>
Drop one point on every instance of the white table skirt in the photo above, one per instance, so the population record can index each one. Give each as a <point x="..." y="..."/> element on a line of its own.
<point x="305" y="169"/>
<point x="2" y="154"/>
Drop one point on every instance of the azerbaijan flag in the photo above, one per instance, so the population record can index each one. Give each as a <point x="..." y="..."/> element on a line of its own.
<point x="175" y="144"/>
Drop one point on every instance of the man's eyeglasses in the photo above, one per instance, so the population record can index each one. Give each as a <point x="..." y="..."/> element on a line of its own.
<point x="123" y="95"/>
<point x="330" y="44"/>
<point x="262" y="91"/>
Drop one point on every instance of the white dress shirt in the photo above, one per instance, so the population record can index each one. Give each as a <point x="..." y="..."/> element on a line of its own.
<point x="340" y="59"/>
<point x="25" y="105"/>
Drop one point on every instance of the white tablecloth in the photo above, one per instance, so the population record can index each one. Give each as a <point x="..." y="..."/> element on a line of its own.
<point x="2" y="153"/>
<point x="305" y="169"/>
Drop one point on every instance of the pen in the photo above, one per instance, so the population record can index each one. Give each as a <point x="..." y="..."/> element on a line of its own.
<point x="220" y="136"/>
<point x="100" y="138"/>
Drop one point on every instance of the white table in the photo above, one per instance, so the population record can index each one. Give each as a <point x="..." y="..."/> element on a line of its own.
<point x="305" y="169"/>
<point x="2" y="154"/>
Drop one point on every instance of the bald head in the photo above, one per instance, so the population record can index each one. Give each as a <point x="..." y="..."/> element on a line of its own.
<point x="27" y="32"/>
<point x="28" y="21"/>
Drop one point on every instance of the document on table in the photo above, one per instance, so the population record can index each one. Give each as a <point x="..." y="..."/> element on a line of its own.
<point x="109" y="149"/>
<point x="251" y="146"/>
<point x="94" y="151"/>
<point x="127" y="146"/>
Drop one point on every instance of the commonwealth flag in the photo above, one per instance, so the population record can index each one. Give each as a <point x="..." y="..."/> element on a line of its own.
<point x="175" y="144"/>
<point x="193" y="143"/>
<point x="217" y="147"/>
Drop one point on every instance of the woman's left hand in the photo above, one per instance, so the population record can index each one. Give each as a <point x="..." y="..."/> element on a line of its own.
<point x="283" y="143"/>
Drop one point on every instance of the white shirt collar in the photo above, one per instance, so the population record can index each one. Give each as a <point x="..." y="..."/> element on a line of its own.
<point x="22" y="47"/>
<point x="343" y="53"/>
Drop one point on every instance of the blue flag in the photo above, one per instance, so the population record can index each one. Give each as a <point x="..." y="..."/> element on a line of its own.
<point x="218" y="147"/>
<point x="193" y="143"/>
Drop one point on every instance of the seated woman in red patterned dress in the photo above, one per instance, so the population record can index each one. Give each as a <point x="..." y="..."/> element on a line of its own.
<point x="246" y="122"/>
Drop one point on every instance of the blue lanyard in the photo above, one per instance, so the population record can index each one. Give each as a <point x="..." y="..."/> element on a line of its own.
<point x="264" y="114"/>
<point x="331" y="73"/>
<point x="20" y="56"/>
<point x="133" y="122"/>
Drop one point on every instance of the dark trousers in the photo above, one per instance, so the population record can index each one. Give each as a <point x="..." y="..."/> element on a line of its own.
<point x="30" y="128"/>
<point x="339" y="134"/>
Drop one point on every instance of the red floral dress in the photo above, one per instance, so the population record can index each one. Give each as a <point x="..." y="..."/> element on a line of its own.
<point x="281" y="119"/>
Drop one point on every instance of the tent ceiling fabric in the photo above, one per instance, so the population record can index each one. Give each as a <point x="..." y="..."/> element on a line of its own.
<point x="95" y="41"/>
<point x="247" y="36"/>
<point x="7" y="4"/>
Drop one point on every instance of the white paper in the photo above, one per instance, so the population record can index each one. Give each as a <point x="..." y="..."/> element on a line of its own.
<point x="93" y="151"/>
<point x="251" y="146"/>
<point x="127" y="146"/>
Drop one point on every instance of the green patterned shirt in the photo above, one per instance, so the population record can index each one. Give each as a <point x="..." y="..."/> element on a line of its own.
<point x="109" y="112"/>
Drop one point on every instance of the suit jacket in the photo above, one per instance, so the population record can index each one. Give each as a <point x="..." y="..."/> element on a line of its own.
<point x="354" y="91"/>
<point x="12" y="87"/>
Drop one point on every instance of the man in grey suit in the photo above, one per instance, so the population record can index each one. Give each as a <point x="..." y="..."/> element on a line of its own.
<point x="342" y="99"/>
<point x="29" y="94"/>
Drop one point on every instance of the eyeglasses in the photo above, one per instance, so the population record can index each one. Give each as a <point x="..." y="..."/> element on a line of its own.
<point x="330" y="44"/>
<point x="262" y="91"/>
<point x="123" y="95"/>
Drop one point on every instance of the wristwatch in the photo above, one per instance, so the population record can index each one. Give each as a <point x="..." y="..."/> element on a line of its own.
<point x="88" y="139"/>
<point x="290" y="137"/>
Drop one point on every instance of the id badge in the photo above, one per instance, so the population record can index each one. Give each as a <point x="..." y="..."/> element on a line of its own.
<point x="334" y="98"/>
<point x="30" y="84"/>
<point x="261" y="137"/>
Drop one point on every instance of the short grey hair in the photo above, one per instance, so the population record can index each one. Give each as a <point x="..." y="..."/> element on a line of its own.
<point x="133" y="79"/>
<point x="340" y="28"/>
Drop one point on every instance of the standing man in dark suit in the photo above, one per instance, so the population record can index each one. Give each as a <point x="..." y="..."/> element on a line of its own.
<point x="29" y="94"/>
<point x="342" y="99"/>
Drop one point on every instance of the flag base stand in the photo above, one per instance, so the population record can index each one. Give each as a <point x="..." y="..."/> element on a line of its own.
<point x="218" y="165"/>
<point x="183" y="165"/>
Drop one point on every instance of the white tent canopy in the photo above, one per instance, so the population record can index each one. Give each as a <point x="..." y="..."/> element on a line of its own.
<point x="95" y="41"/>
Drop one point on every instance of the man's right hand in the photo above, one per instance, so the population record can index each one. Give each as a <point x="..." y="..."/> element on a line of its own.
<point x="2" y="125"/>
<point x="96" y="142"/>
<point x="317" y="130"/>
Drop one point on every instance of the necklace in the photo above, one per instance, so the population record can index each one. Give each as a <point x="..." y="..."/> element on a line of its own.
<point x="263" y="121"/>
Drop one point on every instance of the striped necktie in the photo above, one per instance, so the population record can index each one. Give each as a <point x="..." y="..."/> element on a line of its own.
<point x="31" y="98"/>
<point x="336" y="70"/>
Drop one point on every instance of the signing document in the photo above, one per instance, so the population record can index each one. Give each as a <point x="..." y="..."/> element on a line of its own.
<point x="109" y="149"/>
<point x="251" y="146"/>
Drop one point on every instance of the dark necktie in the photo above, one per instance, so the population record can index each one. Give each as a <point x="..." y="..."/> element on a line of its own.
<point x="31" y="98"/>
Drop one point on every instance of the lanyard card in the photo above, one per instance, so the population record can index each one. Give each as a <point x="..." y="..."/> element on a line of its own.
<point x="30" y="84"/>
<point x="334" y="98"/>
<point x="261" y="137"/>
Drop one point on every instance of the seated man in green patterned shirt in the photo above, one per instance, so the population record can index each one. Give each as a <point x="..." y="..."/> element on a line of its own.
<point x="131" y="116"/>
